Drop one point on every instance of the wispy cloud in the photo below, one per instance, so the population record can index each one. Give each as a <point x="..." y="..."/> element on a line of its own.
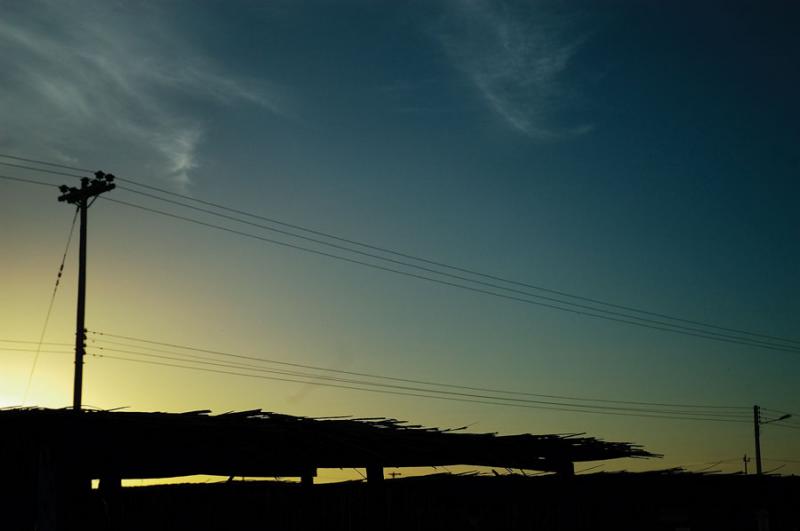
<point x="76" y="77"/>
<point x="516" y="57"/>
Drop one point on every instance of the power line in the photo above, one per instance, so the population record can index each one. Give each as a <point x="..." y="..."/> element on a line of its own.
<point x="50" y="307"/>
<point x="595" y="467"/>
<point x="29" y="181"/>
<point x="454" y="276"/>
<point x="787" y="426"/>
<point x="433" y="262"/>
<point x="666" y="326"/>
<point x="14" y="349"/>
<point x="40" y="170"/>
<point x="438" y="392"/>
<point x="34" y="342"/>
<point x="397" y="379"/>
<point x="44" y="163"/>
<point x="397" y="253"/>
<point x="709" y="467"/>
<point x="632" y="411"/>
<point x="411" y="394"/>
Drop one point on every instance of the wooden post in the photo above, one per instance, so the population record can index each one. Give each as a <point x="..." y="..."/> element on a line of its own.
<point x="47" y="494"/>
<point x="374" y="474"/>
<point x="376" y="494"/>
<point x="109" y="484"/>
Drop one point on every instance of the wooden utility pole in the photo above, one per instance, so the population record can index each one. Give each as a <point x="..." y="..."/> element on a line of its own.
<point x="80" y="197"/>
<point x="757" y="432"/>
<point x="757" y="422"/>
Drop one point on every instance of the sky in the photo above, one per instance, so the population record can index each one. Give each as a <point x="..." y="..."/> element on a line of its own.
<point x="641" y="154"/>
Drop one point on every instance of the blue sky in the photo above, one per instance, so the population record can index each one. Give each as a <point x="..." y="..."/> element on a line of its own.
<point x="638" y="153"/>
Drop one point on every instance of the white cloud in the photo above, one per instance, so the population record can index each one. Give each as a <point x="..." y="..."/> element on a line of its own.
<point x="81" y="77"/>
<point x="516" y="58"/>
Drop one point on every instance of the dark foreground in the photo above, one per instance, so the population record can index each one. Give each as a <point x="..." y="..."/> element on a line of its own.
<point x="658" y="501"/>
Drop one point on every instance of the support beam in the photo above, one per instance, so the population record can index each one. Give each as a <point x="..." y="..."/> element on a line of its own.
<point x="110" y="484"/>
<point x="566" y="469"/>
<point x="374" y="474"/>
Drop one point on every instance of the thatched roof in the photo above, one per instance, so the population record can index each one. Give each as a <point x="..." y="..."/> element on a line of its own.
<point x="256" y="443"/>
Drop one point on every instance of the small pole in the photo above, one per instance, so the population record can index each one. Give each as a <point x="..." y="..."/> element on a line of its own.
<point x="757" y="431"/>
<point x="745" y="460"/>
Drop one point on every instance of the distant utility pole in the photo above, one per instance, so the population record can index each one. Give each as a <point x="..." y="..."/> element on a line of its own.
<point x="745" y="460"/>
<point x="80" y="197"/>
<point x="757" y="432"/>
<point x="757" y="422"/>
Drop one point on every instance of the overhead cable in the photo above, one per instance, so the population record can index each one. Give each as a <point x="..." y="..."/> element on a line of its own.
<point x="666" y="327"/>
<point x="50" y="307"/>
<point x="439" y="392"/>
<point x="100" y="336"/>
<point x="455" y="276"/>
<point x="412" y="394"/>
<point x="397" y="253"/>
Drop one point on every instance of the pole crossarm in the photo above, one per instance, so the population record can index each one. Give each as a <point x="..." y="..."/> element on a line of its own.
<point x="783" y="417"/>
<point x="102" y="182"/>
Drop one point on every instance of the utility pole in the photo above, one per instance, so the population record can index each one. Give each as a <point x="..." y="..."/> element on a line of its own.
<point x="80" y="197"/>
<point x="757" y="422"/>
<point x="757" y="432"/>
<point x="745" y="460"/>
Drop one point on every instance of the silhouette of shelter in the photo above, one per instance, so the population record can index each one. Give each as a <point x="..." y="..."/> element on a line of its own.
<point x="105" y="444"/>
<point x="50" y="455"/>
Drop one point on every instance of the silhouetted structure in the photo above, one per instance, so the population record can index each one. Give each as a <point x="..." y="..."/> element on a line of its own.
<point x="54" y="453"/>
